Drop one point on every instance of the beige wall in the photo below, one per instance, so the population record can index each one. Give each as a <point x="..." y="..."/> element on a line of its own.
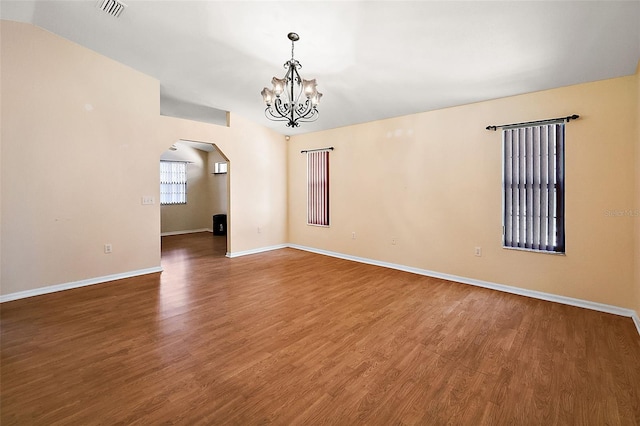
<point x="256" y="179"/>
<point x="71" y="179"/>
<point x="81" y="138"/>
<point x="217" y="186"/>
<point x="637" y="192"/>
<point x="432" y="181"/>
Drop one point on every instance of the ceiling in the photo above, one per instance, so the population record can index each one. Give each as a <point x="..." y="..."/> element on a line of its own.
<point x="372" y="59"/>
<point x="183" y="151"/>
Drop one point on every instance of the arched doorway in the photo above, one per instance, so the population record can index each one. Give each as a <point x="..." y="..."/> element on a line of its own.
<point x="207" y="193"/>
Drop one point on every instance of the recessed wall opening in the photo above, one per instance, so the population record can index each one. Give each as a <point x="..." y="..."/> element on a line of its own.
<point x="206" y="209"/>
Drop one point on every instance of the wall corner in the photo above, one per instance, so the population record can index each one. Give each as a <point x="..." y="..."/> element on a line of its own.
<point x="637" y="197"/>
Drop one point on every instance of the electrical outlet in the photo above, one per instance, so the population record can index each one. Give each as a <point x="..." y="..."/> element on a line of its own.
<point x="393" y="241"/>
<point x="108" y="249"/>
<point x="478" y="251"/>
<point x="353" y="235"/>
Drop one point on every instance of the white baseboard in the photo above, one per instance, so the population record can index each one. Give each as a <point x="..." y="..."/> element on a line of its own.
<point x="257" y="250"/>
<point x="191" y="231"/>
<point x="75" y="284"/>
<point x="486" y="284"/>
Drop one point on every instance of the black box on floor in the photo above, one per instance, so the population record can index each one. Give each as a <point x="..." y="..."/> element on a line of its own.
<point x="219" y="224"/>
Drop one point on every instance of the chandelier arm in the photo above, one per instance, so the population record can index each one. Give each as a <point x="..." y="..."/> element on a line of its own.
<point x="298" y="81"/>
<point x="287" y="109"/>
<point x="295" y="66"/>
<point x="268" y="112"/>
<point x="305" y="109"/>
<point x="291" y="84"/>
<point x="287" y="79"/>
<point x="288" y="66"/>
<point x="309" y="115"/>
<point x="309" y="119"/>
<point x="294" y="81"/>
<point x="281" y="108"/>
<point x="302" y="111"/>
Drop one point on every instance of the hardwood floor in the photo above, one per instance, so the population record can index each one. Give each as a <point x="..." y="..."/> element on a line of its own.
<point x="290" y="337"/>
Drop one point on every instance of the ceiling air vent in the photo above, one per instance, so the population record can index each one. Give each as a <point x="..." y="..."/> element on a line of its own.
<point x="112" y="7"/>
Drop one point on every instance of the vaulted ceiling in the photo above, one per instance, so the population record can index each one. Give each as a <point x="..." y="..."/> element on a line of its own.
<point x="372" y="59"/>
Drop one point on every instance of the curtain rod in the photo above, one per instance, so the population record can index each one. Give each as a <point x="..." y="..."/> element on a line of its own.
<point x="314" y="150"/>
<point x="567" y="119"/>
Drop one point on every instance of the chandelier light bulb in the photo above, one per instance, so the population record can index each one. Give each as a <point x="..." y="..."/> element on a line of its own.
<point x="267" y="96"/>
<point x="315" y="99"/>
<point x="279" y="85"/>
<point x="309" y="87"/>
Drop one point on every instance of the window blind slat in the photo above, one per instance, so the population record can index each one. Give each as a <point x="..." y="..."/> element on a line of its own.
<point x="514" y="189"/>
<point x="508" y="185"/>
<point x="529" y="187"/>
<point x="522" y="182"/>
<point x="536" y="188"/>
<point x="559" y="188"/>
<point x="552" y="192"/>
<point x="544" y="186"/>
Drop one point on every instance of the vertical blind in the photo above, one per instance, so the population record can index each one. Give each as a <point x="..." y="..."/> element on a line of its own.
<point x="533" y="187"/>
<point x="318" y="188"/>
<point x="173" y="182"/>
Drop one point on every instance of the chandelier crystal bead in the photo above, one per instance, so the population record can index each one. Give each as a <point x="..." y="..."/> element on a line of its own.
<point x="291" y="98"/>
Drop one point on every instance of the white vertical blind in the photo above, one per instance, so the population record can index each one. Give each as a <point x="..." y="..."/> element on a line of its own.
<point x="533" y="187"/>
<point x="318" y="188"/>
<point x="173" y="182"/>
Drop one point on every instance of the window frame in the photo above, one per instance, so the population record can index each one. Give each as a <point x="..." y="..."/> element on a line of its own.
<point x="532" y="183"/>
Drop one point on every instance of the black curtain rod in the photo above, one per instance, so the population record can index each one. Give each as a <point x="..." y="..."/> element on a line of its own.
<point x="314" y="150"/>
<point x="567" y="119"/>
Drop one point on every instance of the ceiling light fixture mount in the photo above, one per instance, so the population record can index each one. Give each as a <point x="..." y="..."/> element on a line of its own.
<point x="285" y="101"/>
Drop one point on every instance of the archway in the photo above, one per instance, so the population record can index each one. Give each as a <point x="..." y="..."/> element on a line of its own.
<point x="207" y="192"/>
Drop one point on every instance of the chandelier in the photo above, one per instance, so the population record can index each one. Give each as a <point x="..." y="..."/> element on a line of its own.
<point x="291" y="98"/>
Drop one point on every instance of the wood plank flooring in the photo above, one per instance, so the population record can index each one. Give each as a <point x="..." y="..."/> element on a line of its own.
<point x="289" y="337"/>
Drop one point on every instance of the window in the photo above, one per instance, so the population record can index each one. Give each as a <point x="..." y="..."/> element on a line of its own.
<point x="173" y="182"/>
<point x="533" y="188"/>
<point x="219" y="168"/>
<point x="318" y="188"/>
